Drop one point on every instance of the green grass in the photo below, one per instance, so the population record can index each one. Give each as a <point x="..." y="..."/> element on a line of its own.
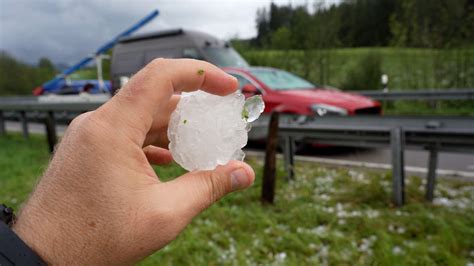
<point x="407" y="68"/>
<point x="444" y="108"/>
<point x="327" y="216"/>
<point x="21" y="163"/>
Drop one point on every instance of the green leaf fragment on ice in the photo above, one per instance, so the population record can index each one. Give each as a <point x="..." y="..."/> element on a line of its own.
<point x="245" y="114"/>
<point x="253" y="107"/>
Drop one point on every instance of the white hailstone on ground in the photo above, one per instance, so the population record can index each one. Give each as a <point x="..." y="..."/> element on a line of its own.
<point x="320" y="230"/>
<point x="401" y="230"/>
<point x="396" y="250"/>
<point x="324" y="197"/>
<point x="391" y="228"/>
<point x="280" y="257"/>
<point x="443" y="202"/>
<point x="207" y="130"/>
<point x="372" y="214"/>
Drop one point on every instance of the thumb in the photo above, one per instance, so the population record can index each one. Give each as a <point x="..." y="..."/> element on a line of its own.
<point x="195" y="191"/>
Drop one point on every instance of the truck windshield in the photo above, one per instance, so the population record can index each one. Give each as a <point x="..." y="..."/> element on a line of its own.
<point x="225" y="57"/>
<point x="281" y="80"/>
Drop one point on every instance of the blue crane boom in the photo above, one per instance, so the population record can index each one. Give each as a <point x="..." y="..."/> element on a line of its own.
<point x="53" y="84"/>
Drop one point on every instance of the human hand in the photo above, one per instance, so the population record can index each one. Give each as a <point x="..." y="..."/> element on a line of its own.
<point x="99" y="201"/>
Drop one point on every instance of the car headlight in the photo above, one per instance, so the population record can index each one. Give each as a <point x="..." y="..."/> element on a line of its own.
<point x="326" y="109"/>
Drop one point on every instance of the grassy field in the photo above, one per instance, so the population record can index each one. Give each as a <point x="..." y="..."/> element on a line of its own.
<point x="326" y="217"/>
<point x="407" y="68"/>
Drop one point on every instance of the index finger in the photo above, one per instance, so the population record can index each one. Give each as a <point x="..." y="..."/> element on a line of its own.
<point x="151" y="88"/>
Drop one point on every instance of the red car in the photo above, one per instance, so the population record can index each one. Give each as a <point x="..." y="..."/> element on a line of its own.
<point x="289" y="93"/>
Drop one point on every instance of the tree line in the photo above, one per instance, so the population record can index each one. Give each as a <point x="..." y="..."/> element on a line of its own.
<point x="357" y="23"/>
<point x="17" y="77"/>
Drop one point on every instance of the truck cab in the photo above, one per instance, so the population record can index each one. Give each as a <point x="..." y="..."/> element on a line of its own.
<point x="133" y="53"/>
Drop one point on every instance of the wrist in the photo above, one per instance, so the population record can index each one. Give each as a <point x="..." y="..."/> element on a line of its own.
<point x="30" y="235"/>
<point x="13" y="248"/>
<point x="58" y="235"/>
<point x="40" y="228"/>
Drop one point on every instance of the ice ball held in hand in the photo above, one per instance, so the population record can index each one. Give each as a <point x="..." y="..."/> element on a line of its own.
<point x="207" y="130"/>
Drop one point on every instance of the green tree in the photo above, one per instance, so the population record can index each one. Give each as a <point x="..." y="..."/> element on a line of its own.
<point x="300" y="24"/>
<point x="281" y="39"/>
<point x="46" y="64"/>
<point x="365" y="22"/>
<point x="263" y="28"/>
<point x="46" y="69"/>
<point x="432" y="23"/>
<point x="18" y="78"/>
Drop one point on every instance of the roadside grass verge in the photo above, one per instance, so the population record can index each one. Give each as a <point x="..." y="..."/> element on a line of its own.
<point x="326" y="216"/>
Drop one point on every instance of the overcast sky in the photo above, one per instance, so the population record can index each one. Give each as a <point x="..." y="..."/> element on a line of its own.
<point x="67" y="30"/>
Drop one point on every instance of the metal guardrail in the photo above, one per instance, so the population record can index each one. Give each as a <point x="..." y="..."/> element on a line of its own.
<point x="455" y="134"/>
<point x="424" y="94"/>
<point x="50" y="112"/>
<point x="30" y="103"/>
<point x="431" y="133"/>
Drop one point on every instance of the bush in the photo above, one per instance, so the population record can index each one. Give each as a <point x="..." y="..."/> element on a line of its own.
<point x="365" y="75"/>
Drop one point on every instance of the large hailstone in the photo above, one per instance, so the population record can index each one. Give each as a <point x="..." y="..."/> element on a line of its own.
<point x="207" y="130"/>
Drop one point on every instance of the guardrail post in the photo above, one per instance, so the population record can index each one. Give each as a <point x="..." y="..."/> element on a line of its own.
<point x="288" y="156"/>
<point x="51" y="131"/>
<point x="397" y="143"/>
<point x="24" y="124"/>
<point x="3" y="130"/>
<point x="431" y="178"/>
<point x="269" y="171"/>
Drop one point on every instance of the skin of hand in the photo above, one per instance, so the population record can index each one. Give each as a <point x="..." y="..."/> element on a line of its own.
<point x="100" y="202"/>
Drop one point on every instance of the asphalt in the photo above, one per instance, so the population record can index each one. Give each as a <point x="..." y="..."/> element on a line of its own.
<point x="416" y="161"/>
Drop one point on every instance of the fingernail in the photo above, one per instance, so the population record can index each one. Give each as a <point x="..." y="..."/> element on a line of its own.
<point x="239" y="179"/>
<point x="232" y="77"/>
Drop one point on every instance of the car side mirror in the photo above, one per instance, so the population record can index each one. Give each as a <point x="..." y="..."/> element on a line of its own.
<point x="249" y="89"/>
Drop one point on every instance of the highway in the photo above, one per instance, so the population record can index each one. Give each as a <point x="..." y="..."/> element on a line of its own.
<point x="452" y="164"/>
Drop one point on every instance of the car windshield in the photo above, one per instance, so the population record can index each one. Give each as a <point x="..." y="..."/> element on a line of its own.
<point x="225" y="57"/>
<point x="281" y="80"/>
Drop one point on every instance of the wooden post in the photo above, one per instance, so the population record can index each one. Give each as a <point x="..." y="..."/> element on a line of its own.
<point x="269" y="171"/>
<point x="3" y="129"/>
<point x="288" y="155"/>
<point x="24" y="124"/>
<point x="431" y="178"/>
<point x="397" y="142"/>
<point x="51" y="131"/>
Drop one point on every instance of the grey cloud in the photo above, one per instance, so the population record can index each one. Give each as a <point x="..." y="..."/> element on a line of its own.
<point x="67" y="30"/>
